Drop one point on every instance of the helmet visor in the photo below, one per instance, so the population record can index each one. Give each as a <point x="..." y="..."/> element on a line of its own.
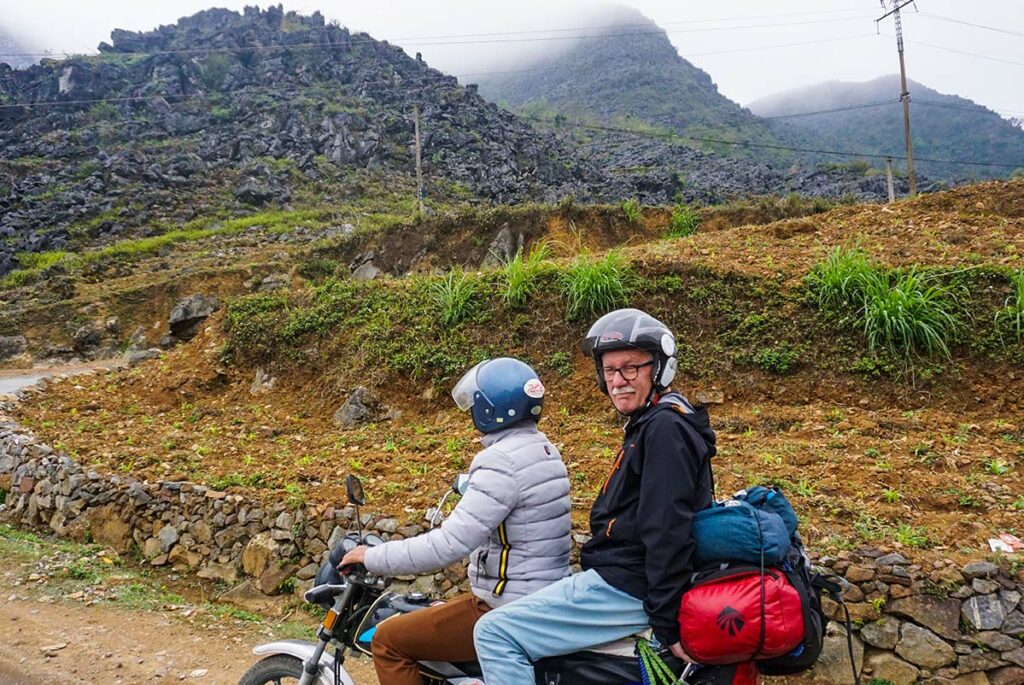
<point x="467" y="386"/>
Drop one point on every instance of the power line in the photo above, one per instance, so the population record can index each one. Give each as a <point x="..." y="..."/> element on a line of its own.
<point x="426" y="41"/>
<point x="866" y="105"/>
<point x="965" y="52"/>
<point x="404" y="79"/>
<point x="747" y="144"/>
<point x="830" y="111"/>
<point x="355" y="37"/>
<point x="929" y="15"/>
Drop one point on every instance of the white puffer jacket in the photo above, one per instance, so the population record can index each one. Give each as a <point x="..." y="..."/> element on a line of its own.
<point x="514" y="518"/>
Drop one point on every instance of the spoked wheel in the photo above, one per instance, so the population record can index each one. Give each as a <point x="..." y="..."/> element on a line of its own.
<point x="279" y="669"/>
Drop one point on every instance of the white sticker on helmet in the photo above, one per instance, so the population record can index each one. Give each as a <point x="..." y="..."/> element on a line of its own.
<point x="668" y="345"/>
<point x="534" y="388"/>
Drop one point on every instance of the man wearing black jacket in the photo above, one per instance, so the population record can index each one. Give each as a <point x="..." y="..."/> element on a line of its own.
<point x="639" y="557"/>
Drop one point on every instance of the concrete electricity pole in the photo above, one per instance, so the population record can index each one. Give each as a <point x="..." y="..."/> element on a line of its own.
<point x="905" y="94"/>
<point x="419" y="164"/>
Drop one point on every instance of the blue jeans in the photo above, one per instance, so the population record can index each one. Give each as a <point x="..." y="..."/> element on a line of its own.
<point x="574" y="613"/>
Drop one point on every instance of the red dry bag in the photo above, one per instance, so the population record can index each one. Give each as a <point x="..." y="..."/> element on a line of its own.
<point x="740" y="614"/>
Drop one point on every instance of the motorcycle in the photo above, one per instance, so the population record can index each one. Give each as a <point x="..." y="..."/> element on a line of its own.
<point x="357" y="601"/>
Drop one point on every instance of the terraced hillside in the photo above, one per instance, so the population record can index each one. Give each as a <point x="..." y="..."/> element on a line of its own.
<point x="901" y="433"/>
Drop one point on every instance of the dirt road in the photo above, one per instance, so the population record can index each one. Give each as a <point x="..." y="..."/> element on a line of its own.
<point x="71" y="616"/>
<point x="112" y="645"/>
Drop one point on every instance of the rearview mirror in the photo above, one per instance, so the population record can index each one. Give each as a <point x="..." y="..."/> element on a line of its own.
<point x="355" y="490"/>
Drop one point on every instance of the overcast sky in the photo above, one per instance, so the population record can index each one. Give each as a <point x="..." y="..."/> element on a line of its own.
<point x="747" y="46"/>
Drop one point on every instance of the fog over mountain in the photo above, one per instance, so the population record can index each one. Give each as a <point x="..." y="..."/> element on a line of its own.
<point x="12" y="49"/>
<point x="868" y="117"/>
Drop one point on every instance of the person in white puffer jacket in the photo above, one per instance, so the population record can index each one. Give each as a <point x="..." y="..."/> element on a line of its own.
<point x="513" y="522"/>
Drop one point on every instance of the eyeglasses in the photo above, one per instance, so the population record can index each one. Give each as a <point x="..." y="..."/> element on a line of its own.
<point x="629" y="372"/>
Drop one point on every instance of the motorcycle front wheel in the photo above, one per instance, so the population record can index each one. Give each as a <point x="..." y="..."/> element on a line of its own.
<point x="279" y="669"/>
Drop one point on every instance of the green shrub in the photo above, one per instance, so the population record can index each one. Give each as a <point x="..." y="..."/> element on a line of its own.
<point x="594" y="286"/>
<point x="521" y="274"/>
<point x="837" y="284"/>
<point x="454" y="296"/>
<point x="779" y="359"/>
<point x="631" y="208"/>
<point x="683" y="223"/>
<point x="908" y="315"/>
<point x="561" y="363"/>
<point x="317" y="269"/>
<point x="1011" y="316"/>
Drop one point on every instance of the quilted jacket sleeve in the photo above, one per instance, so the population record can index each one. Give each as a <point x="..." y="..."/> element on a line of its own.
<point x="492" y="494"/>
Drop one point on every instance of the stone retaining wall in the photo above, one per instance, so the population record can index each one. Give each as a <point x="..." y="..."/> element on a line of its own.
<point x="936" y="624"/>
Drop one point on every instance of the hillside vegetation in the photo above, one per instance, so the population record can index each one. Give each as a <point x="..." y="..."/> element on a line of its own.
<point x="868" y="359"/>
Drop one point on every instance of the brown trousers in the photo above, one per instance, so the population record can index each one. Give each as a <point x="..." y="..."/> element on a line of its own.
<point x="439" y="633"/>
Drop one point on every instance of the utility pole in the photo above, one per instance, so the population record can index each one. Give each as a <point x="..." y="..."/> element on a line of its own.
<point x="888" y="179"/>
<point x="905" y="94"/>
<point x="419" y="165"/>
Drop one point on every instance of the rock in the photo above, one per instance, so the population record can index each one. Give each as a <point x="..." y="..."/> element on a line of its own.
<point x="976" y="661"/>
<point x="108" y="528"/>
<point x="365" y="272"/>
<point x="258" y="553"/>
<point x="940" y="616"/>
<point x="1014" y="656"/>
<point x="168" y="537"/>
<point x="971" y="679"/>
<point x="978" y="569"/>
<point x="710" y="397"/>
<point x="227" y="573"/>
<point x="270" y="581"/>
<point x="151" y="548"/>
<point x="889" y="667"/>
<point x="983" y="586"/>
<point x="284" y="521"/>
<point x="502" y="249"/>
<point x="189" y="313"/>
<point x="833" y="666"/>
<point x="86" y="337"/>
<point x="922" y="647"/>
<point x="307" y="572"/>
<point x="134" y="357"/>
<point x="387" y="525"/>
<point x="983" y="612"/>
<point x="1013" y="624"/>
<point x="1009" y="675"/>
<point x="997" y="641"/>
<point x="11" y="345"/>
<point x="859" y="574"/>
<point x="246" y="596"/>
<point x="263" y="383"/>
<point x="884" y="633"/>
<point x="358" y="408"/>
<point x="1010" y="599"/>
<point x="891" y="560"/>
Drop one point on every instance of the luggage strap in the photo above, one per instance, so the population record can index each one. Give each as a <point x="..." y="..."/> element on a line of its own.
<point x="653" y="669"/>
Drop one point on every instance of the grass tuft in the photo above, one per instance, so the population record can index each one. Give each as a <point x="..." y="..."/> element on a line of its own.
<point x="1011" y="316"/>
<point x="454" y="296"/>
<point x="908" y="314"/>
<point x="521" y="274"/>
<point x="631" y="208"/>
<point x="683" y="223"/>
<point x="593" y="286"/>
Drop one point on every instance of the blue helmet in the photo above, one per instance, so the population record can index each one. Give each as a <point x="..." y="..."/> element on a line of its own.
<point x="501" y="392"/>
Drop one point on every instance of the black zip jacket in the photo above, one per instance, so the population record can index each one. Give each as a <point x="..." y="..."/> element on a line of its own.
<point x="642" y="518"/>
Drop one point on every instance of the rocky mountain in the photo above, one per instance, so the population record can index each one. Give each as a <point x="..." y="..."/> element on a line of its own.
<point x="627" y="73"/>
<point x="224" y="113"/>
<point x="943" y="126"/>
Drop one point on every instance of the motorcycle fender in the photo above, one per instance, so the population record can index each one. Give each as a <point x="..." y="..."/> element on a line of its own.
<point x="303" y="650"/>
